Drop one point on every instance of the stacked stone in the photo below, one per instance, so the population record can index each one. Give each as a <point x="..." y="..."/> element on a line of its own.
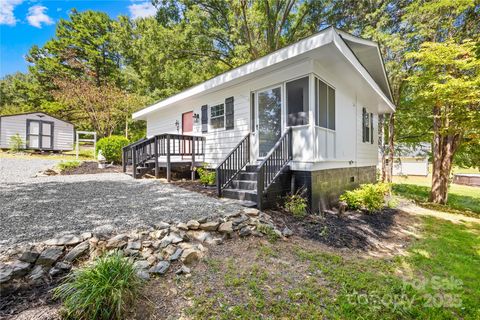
<point x="153" y="251"/>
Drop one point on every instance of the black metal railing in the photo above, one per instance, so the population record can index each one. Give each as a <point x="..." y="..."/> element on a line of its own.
<point x="233" y="163"/>
<point x="168" y="145"/>
<point x="273" y="165"/>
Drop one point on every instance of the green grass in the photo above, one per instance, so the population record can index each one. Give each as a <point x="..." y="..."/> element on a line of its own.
<point x="438" y="279"/>
<point x="105" y="290"/>
<point x="68" y="164"/>
<point x="460" y="198"/>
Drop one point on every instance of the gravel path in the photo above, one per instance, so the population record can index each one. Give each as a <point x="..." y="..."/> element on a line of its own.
<point x="21" y="170"/>
<point x="40" y="208"/>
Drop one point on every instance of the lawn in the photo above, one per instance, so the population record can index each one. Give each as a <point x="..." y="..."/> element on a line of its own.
<point x="461" y="199"/>
<point x="85" y="154"/>
<point x="436" y="279"/>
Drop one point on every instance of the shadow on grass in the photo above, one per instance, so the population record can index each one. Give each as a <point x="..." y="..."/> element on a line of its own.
<point x="455" y="201"/>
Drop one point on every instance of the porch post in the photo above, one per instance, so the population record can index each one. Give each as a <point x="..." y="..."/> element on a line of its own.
<point x="134" y="163"/>
<point x="169" y="168"/>
<point x="155" y="150"/>
<point x="193" y="158"/>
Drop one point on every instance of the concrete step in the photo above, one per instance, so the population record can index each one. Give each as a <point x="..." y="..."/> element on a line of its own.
<point x="251" y="168"/>
<point x="247" y="176"/>
<point x="240" y="194"/>
<point x="244" y="184"/>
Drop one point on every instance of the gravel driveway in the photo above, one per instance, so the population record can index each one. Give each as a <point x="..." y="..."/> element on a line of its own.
<point x="35" y="209"/>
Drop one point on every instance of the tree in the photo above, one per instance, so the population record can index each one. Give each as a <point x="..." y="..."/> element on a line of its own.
<point x="445" y="88"/>
<point x="82" y="48"/>
<point x="102" y="108"/>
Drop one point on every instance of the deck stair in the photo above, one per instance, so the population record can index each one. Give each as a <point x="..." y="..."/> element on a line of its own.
<point x="238" y="178"/>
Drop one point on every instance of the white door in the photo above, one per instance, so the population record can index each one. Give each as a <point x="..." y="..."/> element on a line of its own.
<point x="46" y="135"/>
<point x="34" y="134"/>
<point x="269" y="119"/>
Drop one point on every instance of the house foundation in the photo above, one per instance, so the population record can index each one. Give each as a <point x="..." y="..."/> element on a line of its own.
<point x="323" y="187"/>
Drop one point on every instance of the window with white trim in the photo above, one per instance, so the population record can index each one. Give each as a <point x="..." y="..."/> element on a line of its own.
<point x="367" y="126"/>
<point x="325" y="105"/>
<point x="217" y="116"/>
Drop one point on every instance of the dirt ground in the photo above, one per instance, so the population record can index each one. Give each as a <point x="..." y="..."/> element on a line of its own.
<point x="353" y="235"/>
<point x="91" y="167"/>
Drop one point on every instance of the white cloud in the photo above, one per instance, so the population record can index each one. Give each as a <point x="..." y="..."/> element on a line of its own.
<point x="142" y="10"/>
<point x="6" y="11"/>
<point x="36" y="16"/>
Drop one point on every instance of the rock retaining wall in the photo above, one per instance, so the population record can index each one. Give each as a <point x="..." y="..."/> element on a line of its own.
<point x="153" y="251"/>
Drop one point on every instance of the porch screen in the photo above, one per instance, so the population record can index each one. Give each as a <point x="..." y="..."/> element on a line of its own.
<point x="297" y="102"/>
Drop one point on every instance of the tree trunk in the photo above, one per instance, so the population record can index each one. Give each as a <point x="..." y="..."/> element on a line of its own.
<point x="391" y="148"/>
<point x="444" y="148"/>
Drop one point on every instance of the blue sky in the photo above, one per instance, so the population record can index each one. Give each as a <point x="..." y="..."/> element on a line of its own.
<point x="24" y="23"/>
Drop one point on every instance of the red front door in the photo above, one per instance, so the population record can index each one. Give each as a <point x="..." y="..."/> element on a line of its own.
<point x="187" y="128"/>
<point x="187" y="122"/>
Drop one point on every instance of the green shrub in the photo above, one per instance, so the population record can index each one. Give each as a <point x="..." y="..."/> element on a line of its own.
<point x="112" y="147"/>
<point x="104" y="290"/>
<point x="370" y="197"/>
<point x="206" y="176"/>
<point x="67" y="165"/>
<point x="296" y="203"/>
<point x="16" y="143"/>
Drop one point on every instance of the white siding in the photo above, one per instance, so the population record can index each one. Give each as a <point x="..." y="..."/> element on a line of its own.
<point x="314" y="147"/>
<point x="63" y="132"/>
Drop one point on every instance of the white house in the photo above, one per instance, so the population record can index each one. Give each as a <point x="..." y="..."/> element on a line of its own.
<point x="411" y="161"/>
<point x="306" y="115"/>
<point x="37" y="131"/>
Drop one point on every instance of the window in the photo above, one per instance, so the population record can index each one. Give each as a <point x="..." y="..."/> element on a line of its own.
<point x="297" y="102"/>
<point x="217" y="116"/>
<point x="252" y="112"/>
<point x="229" y="114"/>
<point x="204" y="119"/>
<point x="367" y="126"/>
<point x="325" y="103"/>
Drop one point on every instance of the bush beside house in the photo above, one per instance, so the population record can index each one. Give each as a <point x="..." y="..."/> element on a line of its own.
<point x="111" y="147"/>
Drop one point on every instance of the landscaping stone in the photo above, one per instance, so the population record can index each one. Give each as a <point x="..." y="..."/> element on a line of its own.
<point x="60" y="268"/>
<point x="183" y="270"/>
<point x="49" y="256"/>
<point x="159" y="234"/>
<point x="233" y="215"/>
<point x="243" y="218"/>
<point x="162" y="225"/>
<point x="175" y="238"/>
<point x="151" y="260"/>
<point x="245" y="231"/>
<point x="226" y="227"/>
<point x="141" y="264"/>
<point x="160" y="268"/>
<point x="210" y="226"/>
<point x="86" y="235"/>
<point x="182" y="226"/>
<point x="134" y="245"/>
<point x="287" y="232"/>
<point x="176" y="255"/>
<point x="78" y="251"/>
<point x="251" y="212"/>
<point x="117" y="242"/>
<point x="200" y="235"/>
<point x="37" y="273"/>
<point x="143" y="274"/>
<point x="190" y="256"/>
<point x="66" y="240"/>
<point x="6" y="273"/>
<point x="20" y="268"/>
<point x="193" y="224"/>
<point x="29" y="256"/>
<point x="202" y="220"/>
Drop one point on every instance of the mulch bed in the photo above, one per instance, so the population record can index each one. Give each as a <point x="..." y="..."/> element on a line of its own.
<point x="353" y="230"/>
<point x="196" y="186"/>
<point x="90" y="167"/>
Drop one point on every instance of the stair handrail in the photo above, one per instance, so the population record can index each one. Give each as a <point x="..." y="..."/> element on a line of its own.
<point x="273" y="165"/>
<point x="232" y="164"/>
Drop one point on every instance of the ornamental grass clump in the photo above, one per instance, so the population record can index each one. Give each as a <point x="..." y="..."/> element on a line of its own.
<point x="297" y="204"/>
<point x="103" y="290"/>
<point x="68" y="165"/>
<point x="369" y="197"/>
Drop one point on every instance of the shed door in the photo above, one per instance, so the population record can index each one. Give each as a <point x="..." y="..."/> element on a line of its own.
<point x="39" y="134"/>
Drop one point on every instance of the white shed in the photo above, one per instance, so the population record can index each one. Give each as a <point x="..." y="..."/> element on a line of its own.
<point x="38" y="131"/>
